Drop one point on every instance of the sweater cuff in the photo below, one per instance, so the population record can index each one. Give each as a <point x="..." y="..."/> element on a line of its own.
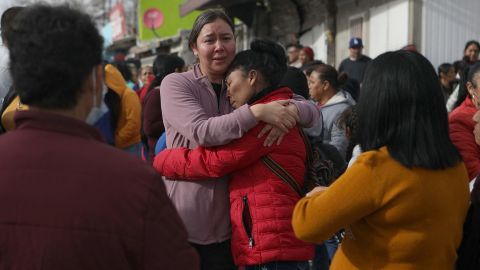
<point x="245" y="118"/>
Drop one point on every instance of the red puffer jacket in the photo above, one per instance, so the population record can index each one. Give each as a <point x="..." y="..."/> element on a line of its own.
<point x="461" y="127"/>
<point x="261" y="203"/>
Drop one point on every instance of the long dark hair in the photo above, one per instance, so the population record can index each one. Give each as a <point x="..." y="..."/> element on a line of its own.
<point x="402" y="107"/>
<point x="467" y="76"/>
<point x="163" y="65"/>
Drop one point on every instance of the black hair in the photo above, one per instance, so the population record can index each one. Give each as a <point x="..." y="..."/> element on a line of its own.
<point x="468" y="75"/>
<point x="402" y="107"/>
<point x="53" y="50"/>
<point x="308" y="67"/>
<point x="471" y="42"/>
<point x="6" y="21"/>
<point x="207" y="17"/>
<point x="348" y="120"/>
<point x="296" y="45"/>
<point x="444" y="68"/>
<point x="163" y="65"/>
<point x="296" y="81"/>
<point x="124" y="70"/>
<point x="330" y="74"/>
<point x="459" y="66"/>
<point x="267" y="57"/>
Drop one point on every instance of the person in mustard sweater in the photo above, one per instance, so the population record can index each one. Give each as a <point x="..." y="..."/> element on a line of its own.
<point x="403" y="202"/>
<point x="125" y="110"/>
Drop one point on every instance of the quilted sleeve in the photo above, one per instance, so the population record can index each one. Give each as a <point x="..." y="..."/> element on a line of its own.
<point x="208" y="162"/>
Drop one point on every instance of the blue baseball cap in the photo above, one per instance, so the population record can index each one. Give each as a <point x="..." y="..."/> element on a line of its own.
<point x="355" y="42"/>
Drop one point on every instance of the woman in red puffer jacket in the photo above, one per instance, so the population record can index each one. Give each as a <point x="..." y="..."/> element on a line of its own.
<point x="461" y="124"/>
<point x="261" y="203"/>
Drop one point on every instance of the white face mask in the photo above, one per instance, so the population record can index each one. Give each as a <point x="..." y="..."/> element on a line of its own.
<point x="96" y="112"/>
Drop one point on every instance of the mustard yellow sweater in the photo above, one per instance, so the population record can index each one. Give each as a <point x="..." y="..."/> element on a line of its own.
<point x="395" y="217"/>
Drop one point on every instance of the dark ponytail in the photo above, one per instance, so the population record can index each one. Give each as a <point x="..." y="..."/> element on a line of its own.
<point x="265" y="56"/>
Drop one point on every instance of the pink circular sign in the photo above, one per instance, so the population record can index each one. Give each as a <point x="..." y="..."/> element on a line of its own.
<point x="153" y="18"/>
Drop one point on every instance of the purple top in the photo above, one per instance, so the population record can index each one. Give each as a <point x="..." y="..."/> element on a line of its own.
<point x="192" y="116"/>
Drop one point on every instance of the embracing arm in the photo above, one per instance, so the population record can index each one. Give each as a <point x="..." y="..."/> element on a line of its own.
<point x="307" y="111"/>
<point x="184" y="112"/>
<point x="348" y="199"/>
<point x="201" y="163"/>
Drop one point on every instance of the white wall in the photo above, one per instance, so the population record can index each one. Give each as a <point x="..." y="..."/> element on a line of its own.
<point x="388" y="27"/>
<point x="316" y="39"/>
<point x="447" y="26"/>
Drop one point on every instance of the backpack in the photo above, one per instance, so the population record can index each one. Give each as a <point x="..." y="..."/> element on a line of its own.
<point x="323" y="165"/>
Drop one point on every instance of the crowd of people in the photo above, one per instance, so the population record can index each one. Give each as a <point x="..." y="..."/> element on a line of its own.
<point x="273" y="159"/>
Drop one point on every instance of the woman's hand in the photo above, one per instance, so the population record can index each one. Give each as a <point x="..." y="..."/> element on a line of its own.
<point x="274" y="135"/>
<point x="316" y="190"/>
<point x="280" y="114"/>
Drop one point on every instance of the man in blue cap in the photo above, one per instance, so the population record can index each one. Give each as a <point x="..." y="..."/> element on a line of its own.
<point x="355" y="65"/>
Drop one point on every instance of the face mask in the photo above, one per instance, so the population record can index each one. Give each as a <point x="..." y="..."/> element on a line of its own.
<point x="96" y="112"/>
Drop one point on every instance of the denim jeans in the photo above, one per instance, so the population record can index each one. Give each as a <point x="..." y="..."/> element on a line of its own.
<point x="134" y="149"/>
<point x="324" y="253"/>
<point x="292" y="265"/>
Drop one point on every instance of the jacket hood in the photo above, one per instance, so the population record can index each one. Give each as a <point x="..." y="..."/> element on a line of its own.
<point x="340" y="97"/>
<point x="114" y="80"/>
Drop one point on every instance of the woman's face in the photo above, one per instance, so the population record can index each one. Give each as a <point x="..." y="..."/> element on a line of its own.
<point x="472" y="52"/>
<point x="303" y="57"/>
<point x="215" y="48"/>
<point x="239" y="88"/>
<point x="146" y="72"/>
<point x="316" y="87"/>
<point x="450" y="75"/>
<point x="474" y="90"/>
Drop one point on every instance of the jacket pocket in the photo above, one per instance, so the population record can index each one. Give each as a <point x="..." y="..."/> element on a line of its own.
<point x="247" y="222"/>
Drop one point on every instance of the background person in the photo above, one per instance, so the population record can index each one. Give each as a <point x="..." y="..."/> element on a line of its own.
<point x="125" y="112"/>
<point x="356" y="64"/>
<point x="152" y="120"/>
<point x="325" y="88"/>
<point x="293" y="53"/>
<point x="446" y="74"/>
<point x="68" y="200"/>
<point x="470" y="52"/>
<point x="462" y="124"/>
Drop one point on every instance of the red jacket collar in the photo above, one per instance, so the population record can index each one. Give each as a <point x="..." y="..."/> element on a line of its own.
<point x="281" y="93"/>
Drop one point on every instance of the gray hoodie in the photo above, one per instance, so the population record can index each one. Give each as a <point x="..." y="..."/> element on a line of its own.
<point x="330" y="131"/>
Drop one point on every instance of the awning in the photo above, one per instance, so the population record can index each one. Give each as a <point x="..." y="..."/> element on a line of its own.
<point x="242" y="9"/>
<point x="191" y="5"/>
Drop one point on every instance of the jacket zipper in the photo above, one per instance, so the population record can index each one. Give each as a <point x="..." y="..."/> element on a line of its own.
<point x="247" y="224"/>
